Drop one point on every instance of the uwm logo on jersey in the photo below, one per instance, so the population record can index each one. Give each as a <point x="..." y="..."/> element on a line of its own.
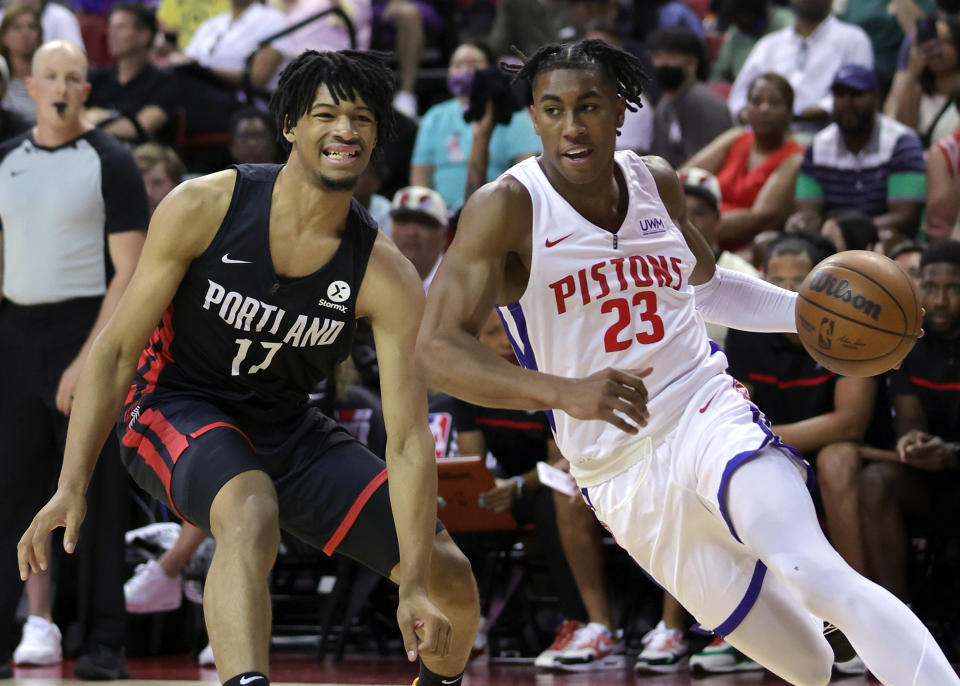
<point x="606" y="280"/>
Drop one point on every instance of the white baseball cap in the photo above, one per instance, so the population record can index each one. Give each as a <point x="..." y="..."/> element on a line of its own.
<point x="420" y="200"/>
<point x="703" y="183"/>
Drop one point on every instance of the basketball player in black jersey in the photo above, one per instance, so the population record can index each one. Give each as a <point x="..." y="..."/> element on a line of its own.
<point x="256" y="275"/>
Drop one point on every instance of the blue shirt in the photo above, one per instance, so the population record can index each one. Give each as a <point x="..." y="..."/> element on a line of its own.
<point x="444" y="140"/>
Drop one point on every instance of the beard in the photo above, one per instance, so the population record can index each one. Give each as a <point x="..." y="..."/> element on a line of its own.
<point x="347" y="184"/>
<point x="860" y="126"/>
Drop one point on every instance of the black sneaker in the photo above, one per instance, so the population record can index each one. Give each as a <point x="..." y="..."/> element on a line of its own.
<point x="102" y="663"/>
<point x="6" y="671"/>
<point x="842" y="650"/>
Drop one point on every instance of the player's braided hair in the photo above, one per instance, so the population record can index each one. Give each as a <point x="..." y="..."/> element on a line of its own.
<point x="622" y="68"/>
<point x="347" y="74"/>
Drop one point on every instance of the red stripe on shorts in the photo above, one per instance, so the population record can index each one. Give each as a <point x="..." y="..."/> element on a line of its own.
<point x="174" y="441"/>
<point x="155" y="461"/>
<point x="216" y="425"/>
<point x="354" y="512"/>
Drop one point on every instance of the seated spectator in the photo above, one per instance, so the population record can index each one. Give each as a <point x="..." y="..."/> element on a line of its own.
<point x="330" y="32"/>
<point x="850" y="230"/>
<point x="223" y="43"/>
<point x="566" y="528"/>
<point x="20" y="36"/>
<point x="133" y="100"/>
<point x="885" y="23"/>
<point x="945" y="9"/>
<point x="689" y="114"/>
<point x="943" y="187"/>
<point x="253" y="138"/>
<point x="56" y="21"/>
<point x="921" y="481"/>
<point x="179" y="20"/>
<point x="747" y="21"/>
<point x="863" y="161"/>
<point x="527" y="24"/>
<point x="11" y="123"/>
<point x="922" y="94"/>
<point x="654" y="15"/>
<point x="419" y="227"/>
<point x="402" y="25"/>
<point x="807" y="55"/>
<point x="756" y="166"/>
<point x="703" y="195"/>
<point x="907" y="254"/>
<point x="161" y="169"/>
<point x="445" y="139"/>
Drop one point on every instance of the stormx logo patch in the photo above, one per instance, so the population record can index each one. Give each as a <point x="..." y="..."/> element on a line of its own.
<point x="650" y="226"/>
<point x="333" y="306"/>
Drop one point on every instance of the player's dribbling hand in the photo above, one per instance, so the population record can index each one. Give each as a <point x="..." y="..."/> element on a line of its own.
<point x="613" y="395"/>
<point x="64" y="509"/>
<point x="425" y="629"/>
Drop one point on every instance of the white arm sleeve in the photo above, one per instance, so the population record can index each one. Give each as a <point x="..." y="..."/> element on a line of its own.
<point x="744" y="302"/>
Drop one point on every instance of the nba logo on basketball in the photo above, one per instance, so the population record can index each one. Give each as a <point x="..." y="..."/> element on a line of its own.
<point x="825" y="334"/>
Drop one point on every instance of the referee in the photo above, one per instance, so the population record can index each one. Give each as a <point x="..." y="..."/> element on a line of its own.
<point x="73" y="213"/>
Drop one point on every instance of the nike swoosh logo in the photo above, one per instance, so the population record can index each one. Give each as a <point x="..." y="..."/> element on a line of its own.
<point x="244" y="680"/>
<point x="704" y="408"/>
<point x="550" y="243"/>
<point x="449" y="681"/>
<point x="226" y="260"/>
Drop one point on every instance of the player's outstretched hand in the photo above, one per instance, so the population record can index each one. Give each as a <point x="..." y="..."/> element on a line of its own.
<point x="613" y="395"/>
<point x="66" y="509"/>
<point x="426" y="630"/>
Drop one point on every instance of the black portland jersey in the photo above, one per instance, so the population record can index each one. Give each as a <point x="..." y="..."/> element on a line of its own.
<point x="253" y="342"/>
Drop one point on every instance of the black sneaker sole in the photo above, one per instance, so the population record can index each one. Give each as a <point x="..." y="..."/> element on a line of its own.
<point x="88" y="671"/>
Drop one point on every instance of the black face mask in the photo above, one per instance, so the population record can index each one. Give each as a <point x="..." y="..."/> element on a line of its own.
<point x="949" y="6"/>
<point x="670" y="77"/>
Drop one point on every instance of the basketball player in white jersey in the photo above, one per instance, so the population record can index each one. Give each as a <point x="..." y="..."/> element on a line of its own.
<point x="604" y="286"/>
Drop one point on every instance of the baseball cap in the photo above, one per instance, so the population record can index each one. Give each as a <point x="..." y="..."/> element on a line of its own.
<point x="419" y="200"/>
<point x="857" y="77"/>
<point x="703" y="183"/>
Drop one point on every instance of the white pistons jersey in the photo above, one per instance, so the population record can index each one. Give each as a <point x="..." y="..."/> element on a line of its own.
<point x="596" y="300"/>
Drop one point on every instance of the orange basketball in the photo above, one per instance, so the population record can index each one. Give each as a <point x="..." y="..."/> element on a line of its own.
<point x="858" y="313"/>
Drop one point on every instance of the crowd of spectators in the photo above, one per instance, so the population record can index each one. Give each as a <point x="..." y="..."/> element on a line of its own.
<point x="798" y="127"/>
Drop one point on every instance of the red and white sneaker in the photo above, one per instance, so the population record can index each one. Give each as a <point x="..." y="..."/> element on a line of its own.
<point x="565" y="631"/>
<point x="664" y="650"/>
<point x="592" y="647"/>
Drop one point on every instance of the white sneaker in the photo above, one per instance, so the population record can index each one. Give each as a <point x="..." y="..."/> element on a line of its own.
<point x="664" y="650"/>
<point x="853" y="667"/>
<point x="205" y="658"/>
<point x="721" y="658"/>
<point x="405" y="103"/>
<point x="592" y="647"/>
<point x="565" y="631"/>
<point x="40" y="644"/>
<point x="151" y="590"/>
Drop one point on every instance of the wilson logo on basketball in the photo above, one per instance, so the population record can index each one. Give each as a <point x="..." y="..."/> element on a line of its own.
<point x="840" y="289"/>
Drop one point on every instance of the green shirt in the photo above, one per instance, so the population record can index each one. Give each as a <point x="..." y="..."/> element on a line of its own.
<point x="877" y="18"/>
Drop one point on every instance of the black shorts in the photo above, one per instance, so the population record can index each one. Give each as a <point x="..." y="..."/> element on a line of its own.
<point x="182" y="450"/>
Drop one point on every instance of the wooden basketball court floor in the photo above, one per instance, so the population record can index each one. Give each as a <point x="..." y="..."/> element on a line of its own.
<point x="293" y="670"/>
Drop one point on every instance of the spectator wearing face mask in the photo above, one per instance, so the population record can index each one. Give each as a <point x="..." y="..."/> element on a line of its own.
<point x="689" y="114"/>
<point x="444" y="141"/>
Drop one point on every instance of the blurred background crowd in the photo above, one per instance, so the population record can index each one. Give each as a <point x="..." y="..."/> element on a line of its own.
<point x="799" y="128"/>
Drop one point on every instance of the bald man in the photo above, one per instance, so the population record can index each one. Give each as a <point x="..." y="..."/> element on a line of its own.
<point x="73" y="213"/>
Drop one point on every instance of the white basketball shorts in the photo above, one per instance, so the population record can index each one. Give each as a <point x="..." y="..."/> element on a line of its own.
<point x="669" y="510"/>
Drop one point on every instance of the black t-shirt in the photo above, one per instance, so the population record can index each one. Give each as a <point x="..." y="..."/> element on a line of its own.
<point x="788" y="385"/>
<point x="151" y="86"/>
<point x="11" y="124"/>
<point x="518" y="439"/>
<point x="932" y="372"/>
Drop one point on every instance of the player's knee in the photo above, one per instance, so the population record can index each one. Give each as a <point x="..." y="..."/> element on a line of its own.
<point x="815" y="672"/>
<point x="813" y="581"/>
<point x="878" y="485"/>
<point x="253" y="522"/>
<point x="454" y="584"/>
<point x="838" y="466"/>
